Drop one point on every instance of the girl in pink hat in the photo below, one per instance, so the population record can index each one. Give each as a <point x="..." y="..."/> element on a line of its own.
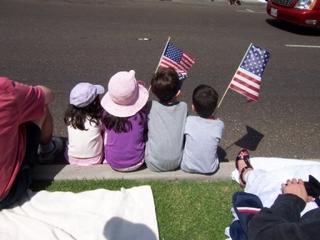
<point x="125" y="121"/>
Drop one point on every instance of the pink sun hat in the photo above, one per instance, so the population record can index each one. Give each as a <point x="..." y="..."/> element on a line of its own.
<point x="125" y="96"/>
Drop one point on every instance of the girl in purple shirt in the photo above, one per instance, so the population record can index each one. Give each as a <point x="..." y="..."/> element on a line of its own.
<point x="125" y="121"/>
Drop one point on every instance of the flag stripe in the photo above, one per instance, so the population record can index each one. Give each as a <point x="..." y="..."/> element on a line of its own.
<point x="169" y="63"/>
<point x="186" y="62"/>
<point x="184" y="65"/>
<point x="241" y="91"/>
<point x="166" y="65"/>
<point x="246" y="83"/>
<point x="188" y="59"/>
<point x="245" y="88"/>
<point x="191" y="59"/>
<point x="247" y="75"/>
<point x="172" y="63"/>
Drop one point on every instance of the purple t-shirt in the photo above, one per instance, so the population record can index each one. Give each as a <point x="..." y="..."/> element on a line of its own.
<point x="126" y="149"/>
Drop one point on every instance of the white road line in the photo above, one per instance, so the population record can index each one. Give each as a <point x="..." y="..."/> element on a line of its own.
<point x="250" y="11"/>
<point x="302" y="46"/>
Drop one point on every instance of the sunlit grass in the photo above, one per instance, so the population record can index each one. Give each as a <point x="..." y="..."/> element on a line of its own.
<point x="185" y="209"/>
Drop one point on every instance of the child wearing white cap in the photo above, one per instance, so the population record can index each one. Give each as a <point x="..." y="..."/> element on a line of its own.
<point x="83" y="120"/>
<point x="125" y="120"/>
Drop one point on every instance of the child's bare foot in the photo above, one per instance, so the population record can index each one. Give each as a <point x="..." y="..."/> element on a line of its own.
<point x="243" y="165"/>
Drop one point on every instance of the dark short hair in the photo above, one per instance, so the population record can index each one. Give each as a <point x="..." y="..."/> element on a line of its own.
<point x="204" y="100"/>
<point x="165" y="84"/>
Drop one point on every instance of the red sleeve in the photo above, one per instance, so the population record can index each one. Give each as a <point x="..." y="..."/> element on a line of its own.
<point x="30" y="102"/>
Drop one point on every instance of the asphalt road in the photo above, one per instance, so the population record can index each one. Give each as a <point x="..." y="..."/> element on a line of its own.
<point x="58" y="43"/>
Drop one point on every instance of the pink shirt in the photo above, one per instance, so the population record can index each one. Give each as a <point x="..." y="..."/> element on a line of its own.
<point x="19" y="103"/>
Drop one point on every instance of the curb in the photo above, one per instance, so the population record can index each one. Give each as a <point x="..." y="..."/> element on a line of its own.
<point x="104" y="172"/>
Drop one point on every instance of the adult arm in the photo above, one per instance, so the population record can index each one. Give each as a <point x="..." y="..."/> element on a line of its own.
<point x="31" y="101"/>
<point x="48" y="94"/>
<point x="282" y="221"/>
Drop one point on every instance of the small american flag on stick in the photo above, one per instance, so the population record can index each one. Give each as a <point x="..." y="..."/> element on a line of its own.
<point x="247" y="78"/>
<point x="176" y="58"/>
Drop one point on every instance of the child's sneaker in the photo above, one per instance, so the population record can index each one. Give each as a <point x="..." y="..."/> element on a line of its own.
<point x="51" y="156"/>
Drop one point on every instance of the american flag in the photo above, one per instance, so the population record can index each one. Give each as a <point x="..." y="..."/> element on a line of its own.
<point x="176" y="58"/>
<point x="247" y="78"/>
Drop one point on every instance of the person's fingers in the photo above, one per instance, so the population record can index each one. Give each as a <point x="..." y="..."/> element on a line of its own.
<point x="300" y="181"/>
<point x="294" y="181"/>
<point x="288" y="181"/>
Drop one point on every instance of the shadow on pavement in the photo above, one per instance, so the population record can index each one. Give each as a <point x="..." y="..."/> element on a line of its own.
<point x="251" y="140"/>
<point x="47" y="172"/>
<point x="222" y="154"/>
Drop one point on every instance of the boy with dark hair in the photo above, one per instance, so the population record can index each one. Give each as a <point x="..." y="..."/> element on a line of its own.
<point x="202" y="133"/>
<point x="166" y="122"/>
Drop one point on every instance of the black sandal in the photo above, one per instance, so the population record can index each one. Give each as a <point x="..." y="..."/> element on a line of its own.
<point x="243" y="155"/>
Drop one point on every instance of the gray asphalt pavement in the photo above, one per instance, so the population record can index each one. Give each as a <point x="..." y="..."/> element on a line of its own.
<point x="58" y="43"/>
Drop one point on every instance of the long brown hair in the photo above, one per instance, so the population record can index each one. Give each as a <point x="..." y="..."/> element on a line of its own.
<point x="120" y="124"/>
<point x="76" y="116"/>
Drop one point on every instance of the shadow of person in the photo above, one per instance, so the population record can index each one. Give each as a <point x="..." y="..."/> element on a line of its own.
<point x="296" y="29"/>
<point x="222" y="154"/>
<point x="250" y="140"/>
<point x="120" y="229"/>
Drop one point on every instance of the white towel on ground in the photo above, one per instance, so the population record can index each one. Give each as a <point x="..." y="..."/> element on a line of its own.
<point x="98" y="214"/>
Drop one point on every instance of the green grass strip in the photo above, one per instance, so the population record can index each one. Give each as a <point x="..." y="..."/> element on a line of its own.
<point x="185" y="209"/>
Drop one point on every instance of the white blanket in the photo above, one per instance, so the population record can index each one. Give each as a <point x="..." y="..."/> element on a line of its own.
<point x="269" y="173"/>
<point x="98" y="214"/>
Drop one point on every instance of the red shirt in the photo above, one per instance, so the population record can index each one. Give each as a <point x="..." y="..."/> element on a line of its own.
<point x="19" y="103"/>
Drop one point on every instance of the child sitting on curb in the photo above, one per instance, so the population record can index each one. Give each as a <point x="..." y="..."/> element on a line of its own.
<point x="166" y="123"/>
<point x="83" y="120"/>
<point x="202" y="133"/>
<point x="125" y="120"/>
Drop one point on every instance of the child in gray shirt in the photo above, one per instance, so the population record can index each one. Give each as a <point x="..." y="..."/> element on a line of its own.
<point x="202" y="133"/>
<point x="166" y="121"/>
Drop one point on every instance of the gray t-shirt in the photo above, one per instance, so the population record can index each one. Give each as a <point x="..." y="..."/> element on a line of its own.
<point x="165" y="136"/>
<point x="202" y="139"/>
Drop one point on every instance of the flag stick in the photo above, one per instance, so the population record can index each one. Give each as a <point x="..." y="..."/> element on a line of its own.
<point x="231" y="80"/>
<point x="165" y="47"/>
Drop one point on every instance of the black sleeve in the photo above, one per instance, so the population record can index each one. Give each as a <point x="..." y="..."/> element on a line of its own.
<point x="280" y="222"/>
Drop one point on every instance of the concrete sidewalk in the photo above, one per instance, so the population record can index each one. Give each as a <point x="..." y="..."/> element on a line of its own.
<point x="72" y="172"/>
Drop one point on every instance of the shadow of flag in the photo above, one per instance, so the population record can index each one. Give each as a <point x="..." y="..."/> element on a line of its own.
<point x="251" y="140"/>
